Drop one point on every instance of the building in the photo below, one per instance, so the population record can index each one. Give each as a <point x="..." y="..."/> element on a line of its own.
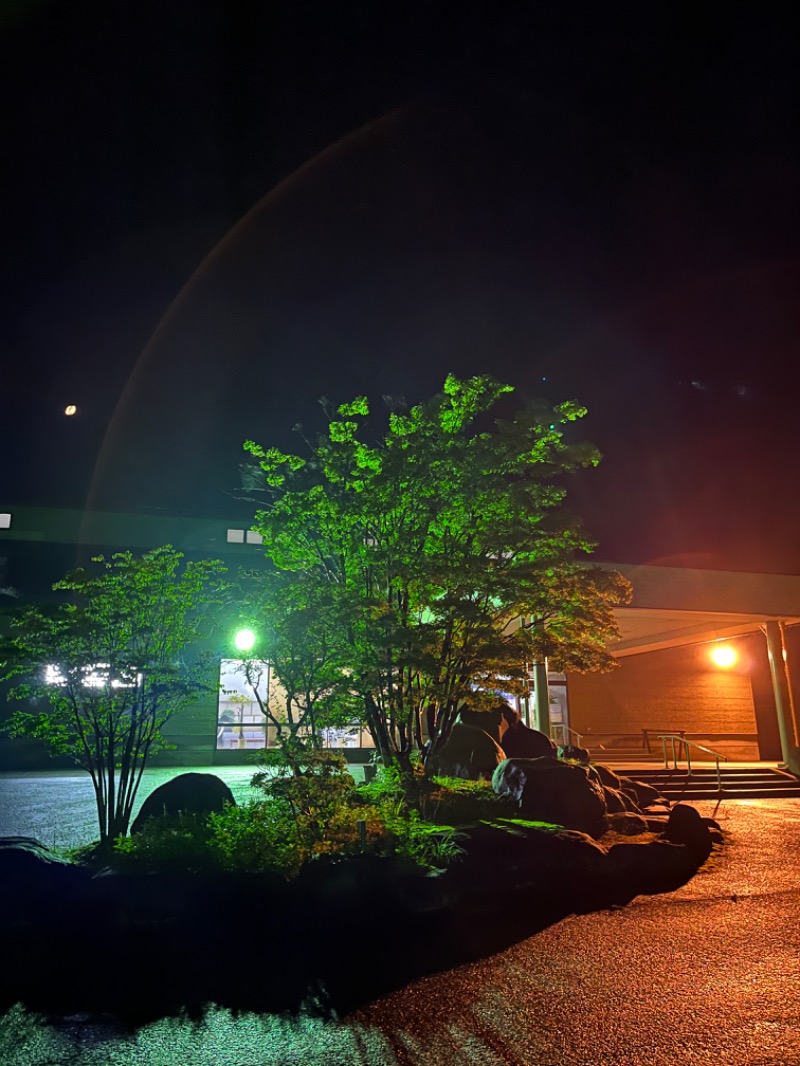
<point x="667" y="680"/>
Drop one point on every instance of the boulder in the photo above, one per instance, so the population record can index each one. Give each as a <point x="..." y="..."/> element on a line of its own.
<point x="618" y="802"/>
<point x="468" y="752"/>
<point x="551" y="791"/>
<point x="647" y="869"/>
<point x="194" y="793"/>
<point x="574" y="753"/>
<point x="643" y="794"/>
<point x="506" y="857"/>
<point x="627" y="824"/>
<point x="36" y="884"/>
<point x="605" y="776"/>
<point x="522" y="742"/>
<point x="686" y="827"/>
<point x="494" y="721"/>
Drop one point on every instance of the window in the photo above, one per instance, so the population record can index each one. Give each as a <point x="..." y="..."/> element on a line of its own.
<point x="240" y="723"/>
<point x="235" y="536"/>
<point x="5" y="521"/>
<point x="254" y="538"/>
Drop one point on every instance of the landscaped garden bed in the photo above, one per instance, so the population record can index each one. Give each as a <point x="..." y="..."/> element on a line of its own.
<point x="272" y="906"/>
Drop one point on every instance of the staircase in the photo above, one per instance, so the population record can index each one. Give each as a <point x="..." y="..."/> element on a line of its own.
<point x="738" y="782"/>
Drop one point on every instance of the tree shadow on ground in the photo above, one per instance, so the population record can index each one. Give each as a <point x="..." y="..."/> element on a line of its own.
<point x="251" y="957"/>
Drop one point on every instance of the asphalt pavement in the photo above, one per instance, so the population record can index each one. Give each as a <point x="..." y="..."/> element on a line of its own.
<point x="709" y="974"/>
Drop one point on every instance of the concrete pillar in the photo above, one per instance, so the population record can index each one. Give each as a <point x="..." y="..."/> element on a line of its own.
<point x="541" y="698"/>
<point x="781" y="689"/>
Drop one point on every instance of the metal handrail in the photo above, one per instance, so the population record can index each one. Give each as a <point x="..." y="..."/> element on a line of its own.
<point x="574" y="733"/>
<point x="687" y="744"/>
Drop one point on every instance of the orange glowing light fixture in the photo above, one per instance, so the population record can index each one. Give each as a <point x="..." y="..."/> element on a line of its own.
<point x="723" y="655"/>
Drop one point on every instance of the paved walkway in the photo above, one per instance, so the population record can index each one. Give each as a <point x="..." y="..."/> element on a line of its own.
<point x="705" y="976"/>
<point x="57" y="806"/>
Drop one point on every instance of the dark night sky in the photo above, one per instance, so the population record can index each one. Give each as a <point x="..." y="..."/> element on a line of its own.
<point x="602" y="196"/>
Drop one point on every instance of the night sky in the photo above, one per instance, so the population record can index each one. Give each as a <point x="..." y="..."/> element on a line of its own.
<point x="215" y="213"/>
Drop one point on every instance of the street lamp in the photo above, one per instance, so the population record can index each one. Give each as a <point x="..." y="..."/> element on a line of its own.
<point x="244" y="639"/>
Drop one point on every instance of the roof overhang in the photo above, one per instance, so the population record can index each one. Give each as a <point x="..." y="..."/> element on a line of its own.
<point x="673" y="607"/>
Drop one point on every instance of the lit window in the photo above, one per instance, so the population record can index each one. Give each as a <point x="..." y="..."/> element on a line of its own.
<point x="254" y="538"/>
<point x="5" y="521"/>
<point x="96" y="676"/>
<point x="235" y="536"/>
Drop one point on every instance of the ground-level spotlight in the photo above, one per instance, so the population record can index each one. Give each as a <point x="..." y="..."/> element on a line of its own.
<point x="244" y="639"/>
<point x="723" y="655"/>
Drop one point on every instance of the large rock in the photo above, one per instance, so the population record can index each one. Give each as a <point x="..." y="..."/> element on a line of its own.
<point x="26" y="866"/>
<point x="522" y="742"/>
<point x="36" y="885"/>
<point x="574" y="753"/>
<point x="187" y="793"/>
<point x="617" y="802"/>
<point x="503" y="858"/>
<point x="605" y="776"/>
<point x="686" y="827"/>
<point x="628" y="824"/>
<point x="468" y="752"/>
<point x="647" y="869"/>
<point x="495" y="721"/>
<point x="547" y="790"/>
<point x="644" y="795"/>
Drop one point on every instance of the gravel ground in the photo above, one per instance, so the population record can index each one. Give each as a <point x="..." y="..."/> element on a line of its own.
<point x="706" y="975"/>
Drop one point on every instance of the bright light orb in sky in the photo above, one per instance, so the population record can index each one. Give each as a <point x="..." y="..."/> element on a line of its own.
<point x="70" y="409"/>
<point x="723" y="655"/>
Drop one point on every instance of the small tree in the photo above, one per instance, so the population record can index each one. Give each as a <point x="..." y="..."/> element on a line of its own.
<point x="104" y="672"/>
<point x="292" y="618"/>
<point x="430" y="540"/>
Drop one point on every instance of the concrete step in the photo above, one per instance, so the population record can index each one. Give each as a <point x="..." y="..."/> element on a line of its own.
<point x="739" y="782"/>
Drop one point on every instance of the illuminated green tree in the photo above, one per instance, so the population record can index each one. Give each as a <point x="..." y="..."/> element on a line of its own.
<point x="102" y="673"/>
<point x="293" y="620"/>
<point x="431" y="540"/>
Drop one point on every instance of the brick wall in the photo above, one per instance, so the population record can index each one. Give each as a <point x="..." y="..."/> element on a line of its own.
<point x="664" y="690"/>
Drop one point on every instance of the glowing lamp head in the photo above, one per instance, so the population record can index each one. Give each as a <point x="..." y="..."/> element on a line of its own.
<point x="70" y="409"/>
<point x="723" y="656"/>
<point x="244" y="639"/>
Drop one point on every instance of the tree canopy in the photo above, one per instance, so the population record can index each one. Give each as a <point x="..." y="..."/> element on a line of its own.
<point x="103" y="672"/>
<point x="422" y="547"/>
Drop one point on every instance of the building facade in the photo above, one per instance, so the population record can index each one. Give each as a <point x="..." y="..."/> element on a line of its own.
<point x="670" y="676"/>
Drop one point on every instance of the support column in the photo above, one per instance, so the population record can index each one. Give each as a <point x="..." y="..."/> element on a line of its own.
<point x="541" y="698"/>
<point x="783" y="694"/>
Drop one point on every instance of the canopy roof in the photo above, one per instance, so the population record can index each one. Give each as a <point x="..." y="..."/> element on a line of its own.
<point x="674" y="606"/>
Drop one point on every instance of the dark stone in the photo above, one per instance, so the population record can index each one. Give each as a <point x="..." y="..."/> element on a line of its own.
<point x="606" y="777"/>
<point x="617" y="802"/>
<point x="21" y="854"/>
<point x="647" y="869"/>
<point x="36" y="884"/>
<point x="194" y="793"/>
<point x="551" y="791"/>
<point x="507" y="858"/>
<point x="522" y="742"/>
<point x="494" y="721"/>
<point x="574" y="753"/>
<point x="644" y="795"/>
<point x="628" y="824"/>
<point x="685" y="826"/>
<point x="468" y="752"/>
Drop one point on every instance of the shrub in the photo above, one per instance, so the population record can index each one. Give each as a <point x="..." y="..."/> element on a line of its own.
<point x="171" y="842"/>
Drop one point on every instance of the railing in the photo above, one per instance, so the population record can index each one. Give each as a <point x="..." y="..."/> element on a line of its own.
<point x="574" y="733"/>
<point x="681" y="739"/>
